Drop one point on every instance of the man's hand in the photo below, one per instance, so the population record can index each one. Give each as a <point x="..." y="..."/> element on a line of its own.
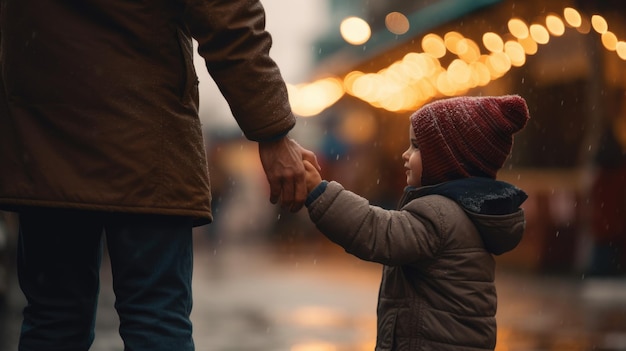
<point x="282" y="163"/>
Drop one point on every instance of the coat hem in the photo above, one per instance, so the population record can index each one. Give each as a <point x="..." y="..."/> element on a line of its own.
<point x="200" y="217"/>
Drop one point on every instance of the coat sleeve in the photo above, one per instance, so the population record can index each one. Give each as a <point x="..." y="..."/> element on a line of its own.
<point x="374" y="234"/>
<point x="233" y="41"/>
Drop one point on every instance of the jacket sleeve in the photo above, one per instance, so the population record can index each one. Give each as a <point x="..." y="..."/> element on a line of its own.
<point x="233" y="41"/>
<point x="374" y="234"/>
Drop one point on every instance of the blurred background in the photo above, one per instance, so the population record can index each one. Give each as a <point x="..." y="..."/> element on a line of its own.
<point x="356" y="69"/>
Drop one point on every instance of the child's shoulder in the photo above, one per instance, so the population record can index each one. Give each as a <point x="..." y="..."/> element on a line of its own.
<point x="433" y="204"/>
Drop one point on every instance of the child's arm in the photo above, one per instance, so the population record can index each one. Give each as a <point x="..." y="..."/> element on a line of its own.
<point x="372" y="233"/>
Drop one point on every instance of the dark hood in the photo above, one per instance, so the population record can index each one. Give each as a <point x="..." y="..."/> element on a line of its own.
<point x="492" y="205"/>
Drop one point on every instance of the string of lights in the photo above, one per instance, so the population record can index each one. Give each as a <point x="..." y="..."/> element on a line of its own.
<point x="419" y="77"/>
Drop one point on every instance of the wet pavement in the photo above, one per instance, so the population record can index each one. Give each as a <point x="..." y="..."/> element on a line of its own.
<point x="314" y="297"/>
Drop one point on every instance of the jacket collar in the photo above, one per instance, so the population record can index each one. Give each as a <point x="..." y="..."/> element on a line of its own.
<point x="476" y="194"/>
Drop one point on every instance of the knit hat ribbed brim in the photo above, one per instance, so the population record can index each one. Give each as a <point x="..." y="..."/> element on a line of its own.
<point x="467" y="136"/>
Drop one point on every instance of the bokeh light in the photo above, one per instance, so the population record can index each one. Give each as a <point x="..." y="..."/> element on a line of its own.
<point x="518" y="28"/>
<point x="397" y="23"/>
<point x="529" y="45"/>
<point x="451" y="40"/>
<point x="355" y="30"/>
<point x="555" y="25"/>
<point x="419" y="77"/>
<point x="620" y="48"/>
<point x="539" y="33"/>
<point x="467" y="50"/>
<point x="599" y="24"/>
<point x="515" y="52"/>
<point x="572" y="17"/>
<point x="434" y="45"/>
<point x="493" y="42"/>
<point x="609" y="40"/>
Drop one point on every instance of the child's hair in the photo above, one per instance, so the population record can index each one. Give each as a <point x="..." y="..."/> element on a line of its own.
<point x="467" y="136"/>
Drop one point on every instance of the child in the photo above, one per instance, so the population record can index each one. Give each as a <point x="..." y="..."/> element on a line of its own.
<point x="437" y="290"/>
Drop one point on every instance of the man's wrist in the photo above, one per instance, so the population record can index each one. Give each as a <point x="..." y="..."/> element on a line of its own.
<point x="274" y="139"/>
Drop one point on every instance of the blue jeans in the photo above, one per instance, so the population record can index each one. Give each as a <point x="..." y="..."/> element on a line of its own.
<point x="59" y="256"/>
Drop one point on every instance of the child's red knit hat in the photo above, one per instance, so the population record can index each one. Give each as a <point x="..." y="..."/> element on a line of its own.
<point x="467" y="136"/>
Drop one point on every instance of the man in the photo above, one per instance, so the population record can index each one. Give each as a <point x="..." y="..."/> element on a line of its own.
<point x="100" y="133"/>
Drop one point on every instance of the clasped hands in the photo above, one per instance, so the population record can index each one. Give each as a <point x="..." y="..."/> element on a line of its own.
<point x="291" y="170"/>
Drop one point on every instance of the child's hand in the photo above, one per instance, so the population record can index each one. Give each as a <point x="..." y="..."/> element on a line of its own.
<point x="313" y="177"/>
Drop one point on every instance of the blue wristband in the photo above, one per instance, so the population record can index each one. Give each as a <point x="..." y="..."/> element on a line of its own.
<point x="316" y="192"/>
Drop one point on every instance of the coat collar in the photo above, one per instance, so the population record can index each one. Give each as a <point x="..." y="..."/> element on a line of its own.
<point x="475" y="194"/>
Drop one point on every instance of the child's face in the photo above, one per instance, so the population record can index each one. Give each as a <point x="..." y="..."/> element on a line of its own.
<point x="413" y="161"/>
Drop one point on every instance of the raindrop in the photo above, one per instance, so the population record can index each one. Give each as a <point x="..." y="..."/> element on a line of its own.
<point x="278" y="218"/>
<point x="557" y="233"/>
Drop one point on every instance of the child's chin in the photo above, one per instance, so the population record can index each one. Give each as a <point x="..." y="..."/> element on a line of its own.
<point x="412" y="183"/>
